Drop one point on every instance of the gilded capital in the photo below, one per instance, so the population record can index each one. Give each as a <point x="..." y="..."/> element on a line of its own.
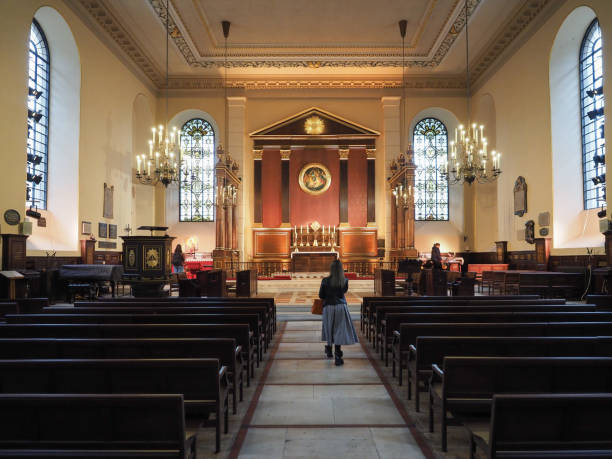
<point x="285" y="154"/>
<point x="257" y="154"/>
<point x="371" y="153"/>
<point x="343" y="153"/>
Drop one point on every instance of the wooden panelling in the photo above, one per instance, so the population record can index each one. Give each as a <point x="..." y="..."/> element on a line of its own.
<point x="13" y="251"/>
<point x="271" y="243"/>
<point x="358" y="243"/>
<point x="257" y="214"/>
<point x="39" y="263"/>
<point x="343" y="191"/>
<point x="371" y="190"/>
<point x="271" y="195"/>
<point x="285" y="191"/>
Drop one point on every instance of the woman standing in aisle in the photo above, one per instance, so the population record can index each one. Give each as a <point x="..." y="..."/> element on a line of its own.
<point x="338" y="326"/>
<point x="178" y="259"/>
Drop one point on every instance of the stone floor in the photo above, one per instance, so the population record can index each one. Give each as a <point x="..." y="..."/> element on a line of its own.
<point x="303" y="406"/>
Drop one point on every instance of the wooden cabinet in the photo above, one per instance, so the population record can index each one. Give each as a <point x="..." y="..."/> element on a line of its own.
<point x="246" y="283"/>
<point x="384" y="282"/>
<point x="13" y="252"/>
<point x="88" y="247"/>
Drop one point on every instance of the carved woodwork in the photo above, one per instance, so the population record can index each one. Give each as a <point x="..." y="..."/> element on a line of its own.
<point x="226" y="242"/>
<point x="402" y="213"/>
<point x="88" y="248"/>
<point x="272" y="243"/>
<point x="312" y="262"/>
<point x="358" y="243"/>
<point x="542" y="253"/>
<point x="13" y="251"/>
<point x="501" y="251"/>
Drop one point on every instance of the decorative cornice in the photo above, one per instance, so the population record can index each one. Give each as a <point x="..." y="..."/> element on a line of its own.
<point x="252" y="84"/>
<point x="113" y="27"/>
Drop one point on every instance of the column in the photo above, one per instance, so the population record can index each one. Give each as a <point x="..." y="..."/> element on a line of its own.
<point x="258" y="204"/>
<point x="401" y="240"/>
<point x="391" y="130"/>
<point x="371" y="186"/>
<point x="236" y="116"/>
<point x="285" y="154"/>
<point x="234" y="245"/>
<point x="220" y="220"/>
<point x="228" y="226"/>
<point x="343" y="152"/>
<point x="393" y="223"/>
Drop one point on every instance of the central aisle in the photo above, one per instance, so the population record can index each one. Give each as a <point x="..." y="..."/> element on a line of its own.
<point x="305" y="406"/>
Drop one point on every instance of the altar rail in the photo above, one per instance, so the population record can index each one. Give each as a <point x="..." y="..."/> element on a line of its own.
<point x="275" y="268"/>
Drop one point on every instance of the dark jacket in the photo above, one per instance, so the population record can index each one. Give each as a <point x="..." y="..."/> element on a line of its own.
<point x="436" y="257"/>
<point x="331" y="295"/>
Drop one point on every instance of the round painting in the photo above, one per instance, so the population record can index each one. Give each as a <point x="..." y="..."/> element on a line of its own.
<point x="314" y="178"/>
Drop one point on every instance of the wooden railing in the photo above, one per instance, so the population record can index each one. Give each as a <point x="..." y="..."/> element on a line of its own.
<point x="272" y="268"/>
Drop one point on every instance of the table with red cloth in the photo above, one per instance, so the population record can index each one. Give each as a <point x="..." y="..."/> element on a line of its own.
<point x="192" y="266"/>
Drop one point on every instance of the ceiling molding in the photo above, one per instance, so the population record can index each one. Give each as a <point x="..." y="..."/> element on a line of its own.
<point x="317" y="83"/>
<point x="104" y="17"/>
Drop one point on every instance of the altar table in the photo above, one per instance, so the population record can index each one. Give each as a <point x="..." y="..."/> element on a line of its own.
<point x="312" y="261"/>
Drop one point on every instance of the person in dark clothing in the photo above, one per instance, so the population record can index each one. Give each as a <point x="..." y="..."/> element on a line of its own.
<point x="436" y="257"/>
<point x="338" y="326"/>
<point x="178" y="259"/>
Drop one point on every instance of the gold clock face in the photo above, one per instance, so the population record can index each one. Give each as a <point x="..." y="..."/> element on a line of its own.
<point x="152" y="258"/>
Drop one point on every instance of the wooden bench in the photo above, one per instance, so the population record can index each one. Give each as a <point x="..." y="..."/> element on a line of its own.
<point x="551" y="284"/>
<point x="371" y="306"/>
<point x="240" y="332"/>
<point x="251" y="319"/>
<point x="224" y="349"/>
<point x="406" y="337"/>
<point x="382" y="311"/>
<point x="392" y="321"/>
<point x="432" y="349"/>
<point x="166" y="308"/>
<point x="464" y="386"/>
<point x="545" y="426"/>
<point x="202" y="382"/>
<point x="117" y="426"/>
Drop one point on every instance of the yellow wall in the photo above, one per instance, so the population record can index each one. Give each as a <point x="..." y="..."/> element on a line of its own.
<point x="521" y="97"/>
<point x="108" y="90"/>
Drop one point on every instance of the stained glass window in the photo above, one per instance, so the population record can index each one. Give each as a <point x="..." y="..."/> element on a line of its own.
<point x="430" y="143"/>
<point x="196" y="189"/>
<point x="38" y="119"/>
<point x="592" y="114"/>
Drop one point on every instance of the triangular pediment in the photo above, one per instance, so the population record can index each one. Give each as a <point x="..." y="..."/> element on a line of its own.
<point x="315" y="123"/>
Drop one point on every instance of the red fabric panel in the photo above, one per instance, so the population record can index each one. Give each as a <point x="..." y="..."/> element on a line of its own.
<point x="358" y="188"/>
<point x="305" y="208"/>
<point x="272" y="215"/>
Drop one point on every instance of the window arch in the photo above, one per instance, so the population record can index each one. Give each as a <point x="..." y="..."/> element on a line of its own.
<point x="38" y="118"/>
<point x="197" y="190"/>
<point x="592" y="116"/>
<point x="430" y="140"/>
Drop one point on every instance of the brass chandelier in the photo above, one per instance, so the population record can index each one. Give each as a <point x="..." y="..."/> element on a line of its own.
<point x="161" y="165"/>
<point x="470" y="159"/>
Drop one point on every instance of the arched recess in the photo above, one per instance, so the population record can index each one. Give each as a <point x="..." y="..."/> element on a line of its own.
<point x="202" y="233"/>
<point x="485" y="194"/>
<point x="573" y="227"/>
<point x="62" y="214"/>
<point x="143" y="196"/>
<point x="448" y="233"/>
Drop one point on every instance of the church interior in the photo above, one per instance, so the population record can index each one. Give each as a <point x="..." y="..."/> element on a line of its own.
<point x="185" y="183"/>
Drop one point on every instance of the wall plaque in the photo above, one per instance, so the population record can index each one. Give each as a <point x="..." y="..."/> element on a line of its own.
<point x="107" y="245"/>
<point x="112" y="231"/>
<point x="107" y="211"/>
<point x="314" y="178"/>
<point x="12" y="217"/>
<point x="102" y="230"/>
<point x="85" y="227"/>
<point x="520" y="196"/>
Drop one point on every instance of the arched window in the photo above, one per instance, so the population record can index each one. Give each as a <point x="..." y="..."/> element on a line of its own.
<point x="38" y="118"/>
<point x="430" y="140"/>
<point x="197" y="190"/>
<point x="592" y="114"/>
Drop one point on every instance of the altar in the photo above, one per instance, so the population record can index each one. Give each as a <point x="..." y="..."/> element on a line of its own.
<point x="312" y="261"/>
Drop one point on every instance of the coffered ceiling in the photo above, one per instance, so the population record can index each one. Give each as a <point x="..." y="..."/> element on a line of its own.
<point x="319" y="43"/>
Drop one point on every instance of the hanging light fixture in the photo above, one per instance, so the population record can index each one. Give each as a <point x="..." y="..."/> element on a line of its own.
<point x="162" y="162"/>
<point x="470" y="159"/>
<point x="402" y="192"/>
<point x="222" y="155"/>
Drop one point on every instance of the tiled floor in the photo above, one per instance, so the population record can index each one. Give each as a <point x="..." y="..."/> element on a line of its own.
<point x="309" y="408"/>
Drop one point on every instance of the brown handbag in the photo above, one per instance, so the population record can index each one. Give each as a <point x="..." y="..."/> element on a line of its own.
<point x="317" y="306"/>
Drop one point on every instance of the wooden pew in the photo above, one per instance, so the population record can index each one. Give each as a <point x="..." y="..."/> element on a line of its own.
<point x="240" y="332"/>
<point x="261" y="310"/>
<point x="202" y="382"/>
<point x="381" y="311"/>
<point x="51" y="425"/>
<point x="406" y="337"/>
<point x="224" y="349"/>
<point x="464" y="386"/>
<point x="432" y="349"/>
<point x="369" y="310"/>
<point x="189" y="299"/>
<point x="545" y="425"/>
<point x="392" y="321"/>
<point x="251" y="319"/>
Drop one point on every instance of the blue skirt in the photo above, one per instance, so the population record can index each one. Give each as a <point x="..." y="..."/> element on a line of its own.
<point x="338" y="326"/>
